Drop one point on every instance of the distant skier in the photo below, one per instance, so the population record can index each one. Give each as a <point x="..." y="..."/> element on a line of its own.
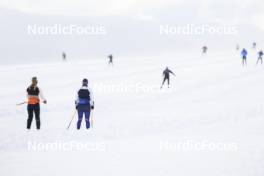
<point x="237" y="47"/>
<point x="34" y="94"/>
<point x="110" y="61"/>
<point x="84" y="104"/>
<point x="166" y="75"/>
<point x="260" y="55"/>
<point x="254" y="45"/>
<point x="64" y="56"/>
<point x="244" y="54"/>
<point x="204" y="49"/>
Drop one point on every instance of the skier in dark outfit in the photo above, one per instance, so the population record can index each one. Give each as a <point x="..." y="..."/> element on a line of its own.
<point x="34" y="94"/>
<point x="237" y="47"/>
<point x="204" y="48"/>
<point x="84" y="104"/>
<point x="110" y="59"/>
<point x="64" y="56"/>
<point x="260" y="54"/>
<point x="166" y="74"/>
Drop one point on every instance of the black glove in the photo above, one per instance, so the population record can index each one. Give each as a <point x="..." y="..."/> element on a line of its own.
<point x="92" y="107"/>
<point x="76" y="105"/>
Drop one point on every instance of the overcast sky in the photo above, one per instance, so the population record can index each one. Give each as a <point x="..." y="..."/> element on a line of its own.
<point x="243" y="11"/>
<point x="123" y="7"/>
<point x="138" y="18"/>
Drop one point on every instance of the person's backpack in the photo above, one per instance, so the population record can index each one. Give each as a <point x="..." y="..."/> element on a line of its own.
<point x="84" y="97"/>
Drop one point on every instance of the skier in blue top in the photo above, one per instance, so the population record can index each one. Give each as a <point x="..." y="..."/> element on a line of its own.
<point x="84" y="104"/>
<point x="244" y="54"/>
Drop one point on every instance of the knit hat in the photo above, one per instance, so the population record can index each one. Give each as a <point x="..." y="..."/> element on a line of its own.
<point x="85" y="82"/>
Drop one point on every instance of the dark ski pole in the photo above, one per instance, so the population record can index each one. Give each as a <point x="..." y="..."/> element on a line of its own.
<point x="18" y="104"/>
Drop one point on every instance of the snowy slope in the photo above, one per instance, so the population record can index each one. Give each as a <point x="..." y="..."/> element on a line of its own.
<point x="212" y="99"/>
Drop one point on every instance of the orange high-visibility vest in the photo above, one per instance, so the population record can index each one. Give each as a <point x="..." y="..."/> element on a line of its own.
<point x="33" y="95"/>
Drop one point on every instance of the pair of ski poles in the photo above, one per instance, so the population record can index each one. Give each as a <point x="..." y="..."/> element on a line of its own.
<point x="91" y="119"/>
<point x="91" y="116"/>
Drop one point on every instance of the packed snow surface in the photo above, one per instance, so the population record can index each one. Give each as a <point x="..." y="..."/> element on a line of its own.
<point x="209" y="122"/>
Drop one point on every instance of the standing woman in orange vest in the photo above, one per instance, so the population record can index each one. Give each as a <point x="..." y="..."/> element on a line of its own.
<point x="34" y="94"/>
